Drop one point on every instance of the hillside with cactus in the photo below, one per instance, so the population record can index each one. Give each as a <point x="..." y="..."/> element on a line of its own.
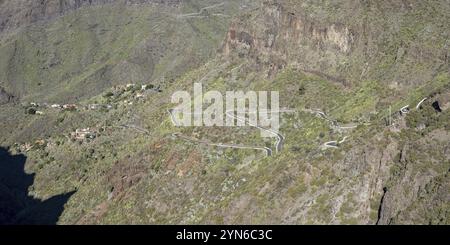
<point x="85" y="102"/>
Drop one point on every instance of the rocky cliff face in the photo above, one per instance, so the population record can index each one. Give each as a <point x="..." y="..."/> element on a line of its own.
<point x="282" y="37"/>
<point x="348" y="42"/>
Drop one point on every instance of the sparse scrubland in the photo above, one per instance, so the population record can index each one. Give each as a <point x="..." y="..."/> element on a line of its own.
<point x="358" y="62"/>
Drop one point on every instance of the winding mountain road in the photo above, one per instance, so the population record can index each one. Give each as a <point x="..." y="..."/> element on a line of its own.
<point x="134" y="127"/>
<point x="266" y="150"/>
<point x="420" y="103"/>
<point x="404" y="109"/>
<point x="201" y="11"/>
<point x="280" y="138"/>
<point x="334" y="143"/>
<point x="278" y="144"/>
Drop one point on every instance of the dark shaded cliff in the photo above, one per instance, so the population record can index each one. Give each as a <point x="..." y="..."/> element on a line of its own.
<point x="16" y="206"/>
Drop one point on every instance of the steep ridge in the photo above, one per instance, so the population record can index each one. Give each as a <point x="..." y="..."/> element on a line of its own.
<point x="348" y="41"/>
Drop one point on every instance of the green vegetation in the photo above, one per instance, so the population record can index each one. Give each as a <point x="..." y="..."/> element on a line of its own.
<point x="135" y="171"/>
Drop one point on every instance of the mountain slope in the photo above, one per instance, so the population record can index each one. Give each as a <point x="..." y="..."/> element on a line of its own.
<point x="358" y="161"/>
<point x="94" y="46"/>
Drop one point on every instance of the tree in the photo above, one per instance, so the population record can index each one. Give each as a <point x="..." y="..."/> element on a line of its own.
<point x="108" y="94"/>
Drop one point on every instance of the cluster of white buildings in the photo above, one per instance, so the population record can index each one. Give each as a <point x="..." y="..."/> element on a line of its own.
<point x="84" y="133"/>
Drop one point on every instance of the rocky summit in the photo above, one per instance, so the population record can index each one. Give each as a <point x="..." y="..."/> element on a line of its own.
<point x="89" y="132"/>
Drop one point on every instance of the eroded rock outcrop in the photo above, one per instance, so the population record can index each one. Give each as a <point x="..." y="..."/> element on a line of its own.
<point x="276" y="37"/>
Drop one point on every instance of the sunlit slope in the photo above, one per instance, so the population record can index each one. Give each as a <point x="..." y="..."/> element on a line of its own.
<point x="92" y="48"/>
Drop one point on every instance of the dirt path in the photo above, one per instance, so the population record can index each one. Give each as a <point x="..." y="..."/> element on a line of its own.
<point x="334" y="143"/>
<point x="200" y="12"/>
<point x="280" y="137"/>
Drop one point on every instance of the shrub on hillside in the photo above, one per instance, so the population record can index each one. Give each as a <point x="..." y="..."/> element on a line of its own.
<point x="30" y="111"/>
<point x="108" y="94"/>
